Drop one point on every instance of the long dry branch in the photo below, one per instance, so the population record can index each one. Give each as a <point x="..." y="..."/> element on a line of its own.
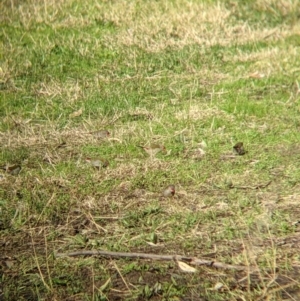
<point x="258" y="186"/>
<point x="190" y="260"/>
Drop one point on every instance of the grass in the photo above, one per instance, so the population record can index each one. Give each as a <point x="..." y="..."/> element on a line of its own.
<point x="175" y="73"/>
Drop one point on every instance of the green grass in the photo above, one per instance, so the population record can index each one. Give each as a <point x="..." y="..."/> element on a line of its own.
<point x="174" y="73"/>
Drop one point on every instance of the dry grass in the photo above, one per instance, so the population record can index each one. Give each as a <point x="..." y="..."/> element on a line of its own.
<point x="161" y="25"/>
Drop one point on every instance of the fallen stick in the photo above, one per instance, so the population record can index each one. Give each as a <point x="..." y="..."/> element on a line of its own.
<point x="190" y="260"/>
<point x="258" y="186"/>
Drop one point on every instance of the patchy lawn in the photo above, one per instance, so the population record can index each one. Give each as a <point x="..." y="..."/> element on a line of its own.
<point x="188" y="80"/>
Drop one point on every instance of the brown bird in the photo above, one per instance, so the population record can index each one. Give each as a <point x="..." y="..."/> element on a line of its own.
<point x="13" y="169"/>
<point x="169" y="191"/>
<point x="102" y="134"/>
<point x="238" y="149"/>
<point x="153" y="149"/>
<point x="97" y="163"/>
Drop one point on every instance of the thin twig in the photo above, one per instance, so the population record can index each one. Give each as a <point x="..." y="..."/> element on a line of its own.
<point x="190" y="260"/>
<point x="258" y="186"/>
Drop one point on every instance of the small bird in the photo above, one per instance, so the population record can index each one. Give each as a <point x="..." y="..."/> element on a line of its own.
<point x="169" y="191"/>
<point x="153" y="149"/>
<point x="13" y="169"/>
<point x="102" y="134"/>
<point x="97" y="163"/>
<point x="238" y="149"/>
